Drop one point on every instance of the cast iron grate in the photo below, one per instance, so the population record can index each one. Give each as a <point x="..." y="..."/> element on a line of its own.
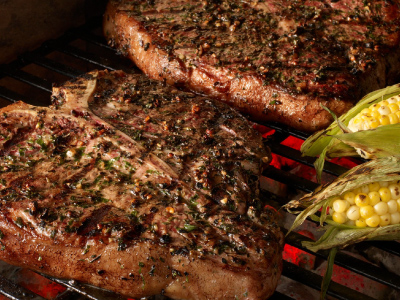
<point x="83" y="49"/>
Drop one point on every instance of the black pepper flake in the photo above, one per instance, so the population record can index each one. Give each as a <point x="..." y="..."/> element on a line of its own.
<point x="165" y="239"/>
<point x="146" y="46"/>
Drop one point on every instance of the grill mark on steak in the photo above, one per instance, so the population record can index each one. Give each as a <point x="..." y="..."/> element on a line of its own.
<point x="272" y="60"/>
<point x="141" y="161"/>
<point x="90" y="224"/>
<point x="70" y="183"/>
<point x="20" y="135"/>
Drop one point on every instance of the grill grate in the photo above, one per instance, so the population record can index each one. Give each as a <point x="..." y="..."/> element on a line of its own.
<point x="84" y="49"/>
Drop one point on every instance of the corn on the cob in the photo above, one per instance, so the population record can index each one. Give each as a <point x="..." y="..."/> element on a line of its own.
<point x="363" y="204"/>
<point x="349" y="135"/>
<point x="372" y="205"/>
<point x="379" y="114"/>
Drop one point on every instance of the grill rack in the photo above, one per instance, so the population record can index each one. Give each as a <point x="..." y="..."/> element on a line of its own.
<point x="97" y="54"/>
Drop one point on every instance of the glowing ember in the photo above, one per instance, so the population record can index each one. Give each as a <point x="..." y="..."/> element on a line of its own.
<point x="39" y="285"/>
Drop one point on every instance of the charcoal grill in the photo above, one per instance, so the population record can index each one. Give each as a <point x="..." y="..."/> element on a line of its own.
<point x="30" y="79"/>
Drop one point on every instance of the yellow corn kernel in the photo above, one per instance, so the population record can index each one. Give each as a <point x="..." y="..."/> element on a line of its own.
<point x="395" y="218"/>
<point x="356" y="124"/>
<point x="384" y="183"/>
<point x="366" y="111"/>
<point x="381" y="208"/>
<point x="394" y="190"/>
<point x="353" y="213"/>
<point x="385" y="194"/>
<point x="393" y="107"/>
<point x="365" y="189"/>
<point x="374" y="198"/>
<point x="333" y="200"/>
<point x="357" y="191"/>
<point x="361" y="199"/>
<point x="349" y="197"/>
<point x="361" y="223"/>
<point x="339" y="217"/>
<point x="392" y="206"/>
<point x="384" y="120"/>
<point x="385" y="220"/>
<point x="398" y="114"/>
<point x="374" y="107"/>
<point x="365" y="117"/>
<point x="393" y="118"/>
<point x="340" y="206"/>
<point x="393" y="99"/>
<point x="373" y="123"/>
<point x="357" y="121"/>
<point x="384" y="110"/>
<point x="367" y="211"/>
<point x="374" y="186"/>
<point x="384" y="102"/>
<point x="373" y="221"/>
<point x="374" y="114"/>
<point x="398" y="204"/>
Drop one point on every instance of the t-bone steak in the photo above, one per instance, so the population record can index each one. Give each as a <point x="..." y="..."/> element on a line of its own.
<point x="274" y="60"/>
<point x="139" y="188"/>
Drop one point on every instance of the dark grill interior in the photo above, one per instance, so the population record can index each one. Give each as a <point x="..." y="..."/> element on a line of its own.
<point x="80" y="50"/>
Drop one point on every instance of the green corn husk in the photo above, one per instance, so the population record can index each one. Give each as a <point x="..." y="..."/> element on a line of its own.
<point x="340" y="235"/>
<point x="338" y="141"/>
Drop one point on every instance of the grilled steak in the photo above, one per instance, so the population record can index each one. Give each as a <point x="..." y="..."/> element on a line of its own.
<point x="274" y="60"/>
<point x="137" y="188"/>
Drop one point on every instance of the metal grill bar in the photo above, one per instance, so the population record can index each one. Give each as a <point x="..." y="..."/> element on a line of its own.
<point x="53" y="65"/>
<point x="90" y="292"/>
<point x="93" y="59"/>
<point x="287" y="130"/>
<point x="12" y="96"/>
<point x="390" y="247"/>
<point x="295" y="155"/>
<point x="94" y="39"/>
<point x="28" y="78"/>
<point x="290" y="179"/>
<point x="314" y="281"/>
<point x="349" y="262"/>
<point x="14" y="291"/>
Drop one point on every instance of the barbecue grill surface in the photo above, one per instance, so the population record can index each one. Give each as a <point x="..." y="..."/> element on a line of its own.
<point x="83" y="49"/>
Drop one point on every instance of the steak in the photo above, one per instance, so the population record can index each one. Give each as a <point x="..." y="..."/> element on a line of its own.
<point x="273" y="60"/>
<point x="139" y="188"/>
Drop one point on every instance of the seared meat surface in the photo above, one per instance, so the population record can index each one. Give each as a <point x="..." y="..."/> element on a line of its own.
<point x="274" y="60"/>
<point x="138" y="188"/>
